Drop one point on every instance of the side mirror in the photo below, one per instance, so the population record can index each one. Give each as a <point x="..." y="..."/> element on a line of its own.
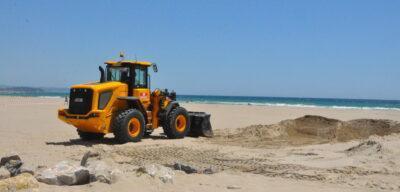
<point x="155" y="69"/>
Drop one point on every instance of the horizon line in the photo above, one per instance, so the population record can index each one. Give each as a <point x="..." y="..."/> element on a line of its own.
<point x="221" y="95"/>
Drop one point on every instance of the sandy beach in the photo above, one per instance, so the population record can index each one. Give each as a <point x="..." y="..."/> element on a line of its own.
<point x="365" y="162"/>
<point x="199" y="96"/>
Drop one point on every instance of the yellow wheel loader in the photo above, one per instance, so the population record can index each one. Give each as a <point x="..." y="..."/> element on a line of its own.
<point x="123" y="104"/>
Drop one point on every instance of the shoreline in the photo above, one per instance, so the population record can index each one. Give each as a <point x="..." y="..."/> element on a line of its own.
<point x="241" y="104"/>
<point x="292" y="105"/>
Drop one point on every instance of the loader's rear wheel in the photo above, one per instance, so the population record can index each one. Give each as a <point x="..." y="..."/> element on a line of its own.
<point x="87" y="136"/>
<point x="177" y="124"/>
<point x="129" y="126"/>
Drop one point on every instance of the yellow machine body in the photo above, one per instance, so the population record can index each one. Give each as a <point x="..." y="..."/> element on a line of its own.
<point x="123" y="104"/>
<point x="99" y="120"/>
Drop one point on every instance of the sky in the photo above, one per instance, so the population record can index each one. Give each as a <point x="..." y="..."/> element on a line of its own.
<point x="319" y="48"/>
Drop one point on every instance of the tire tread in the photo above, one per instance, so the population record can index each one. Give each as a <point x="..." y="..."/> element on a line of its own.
<point x="168" y="126"/>
<point x="119" y="128"/>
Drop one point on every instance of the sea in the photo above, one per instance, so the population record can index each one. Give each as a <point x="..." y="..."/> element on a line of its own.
<point x="261" y="101"/>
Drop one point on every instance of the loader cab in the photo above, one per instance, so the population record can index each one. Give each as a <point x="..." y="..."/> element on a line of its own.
<point x="134" y="74"/>
<point x="118" y="73"/>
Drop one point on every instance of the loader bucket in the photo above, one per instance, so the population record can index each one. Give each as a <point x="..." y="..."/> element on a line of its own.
<point x="200" y="125"/>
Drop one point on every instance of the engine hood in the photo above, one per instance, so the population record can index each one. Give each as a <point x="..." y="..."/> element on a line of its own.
<point x="100" y="86"/>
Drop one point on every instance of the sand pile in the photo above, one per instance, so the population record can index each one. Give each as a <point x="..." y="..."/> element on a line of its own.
<point x="307" y="130"/>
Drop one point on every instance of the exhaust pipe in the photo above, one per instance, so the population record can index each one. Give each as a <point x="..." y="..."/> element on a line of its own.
<point x="102" y="75"/>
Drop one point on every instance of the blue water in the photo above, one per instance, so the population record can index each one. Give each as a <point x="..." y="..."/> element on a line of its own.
<point x="295" y="102"/>
<point x="266" y="101"/>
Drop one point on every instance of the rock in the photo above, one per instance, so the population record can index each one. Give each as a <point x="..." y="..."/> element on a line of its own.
<point x="233" y="187"/>
<point x="8" y="158"/>
<point x="100" y="171"/>
<point x="4" y="173"/>
<point x="49" y="177"/>
<point x="12" y="163"/>
<point x="165" y="174"/>
<point x="210" y="170"/>
<point x="77" y="176"/>
<point x="192" y="169"/>
<point x="69" y="174"/>
<point x="186" y="168"/>
<point x="22" y="181"/>
<point x="13" y="166"/>
<point x="85" y="158"/>
<point x="115" y="175"/>
<point x="26" y="169"/>
<point x="88" y="155"/>
<point x="64" y="173"/>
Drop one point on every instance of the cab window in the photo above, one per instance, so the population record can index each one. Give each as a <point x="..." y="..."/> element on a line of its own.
<point x="140" y="77"/>
<point x="117" y="74"/>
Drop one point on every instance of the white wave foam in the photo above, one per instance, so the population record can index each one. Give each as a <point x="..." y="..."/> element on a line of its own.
<point x="51" y="97"/>
<point x="291" y="105"/>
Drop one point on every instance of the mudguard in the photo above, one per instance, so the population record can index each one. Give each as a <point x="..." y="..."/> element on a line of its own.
<point x="134" y="102"/>
<point x="170" y="106"/>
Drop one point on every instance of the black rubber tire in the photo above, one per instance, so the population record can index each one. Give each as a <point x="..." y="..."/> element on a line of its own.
<point x="170" y="126"/>
<point x="121" y="129"/>
<point x="87" y="136"/>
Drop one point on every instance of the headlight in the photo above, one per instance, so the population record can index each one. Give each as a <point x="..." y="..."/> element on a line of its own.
<point x="104" y="98"/>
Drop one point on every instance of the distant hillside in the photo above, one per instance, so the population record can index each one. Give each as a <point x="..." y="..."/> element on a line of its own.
<point x="14" y="90"/>
<point x="55" y="90"/>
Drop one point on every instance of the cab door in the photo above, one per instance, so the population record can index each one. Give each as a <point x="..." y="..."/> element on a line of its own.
<point x="140" y="85"/>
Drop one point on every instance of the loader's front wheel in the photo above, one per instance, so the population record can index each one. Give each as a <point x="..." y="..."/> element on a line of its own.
<point x="129" y="126"/>
<point x="177" y="124"/>
<point x="90" y="136"/>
